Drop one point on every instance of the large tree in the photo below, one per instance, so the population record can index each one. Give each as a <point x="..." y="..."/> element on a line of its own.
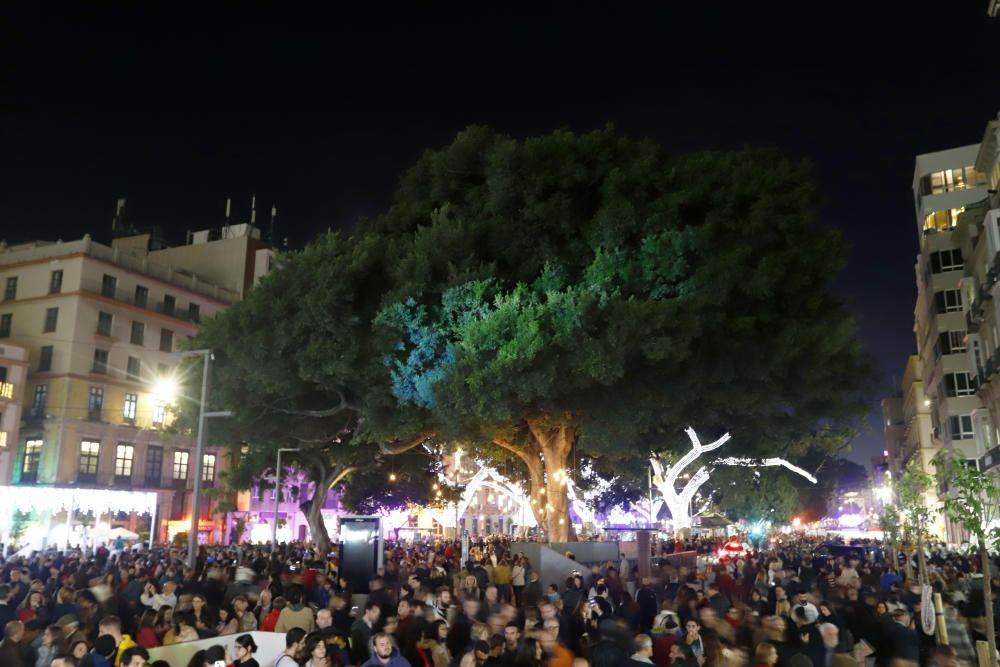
<point x="558" y="297"/>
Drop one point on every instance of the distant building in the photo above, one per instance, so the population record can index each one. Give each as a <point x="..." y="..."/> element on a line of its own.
<point x="101" y="325"/>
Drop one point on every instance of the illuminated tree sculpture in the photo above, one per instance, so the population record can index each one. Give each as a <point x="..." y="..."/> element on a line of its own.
<point x="665" y="477"/>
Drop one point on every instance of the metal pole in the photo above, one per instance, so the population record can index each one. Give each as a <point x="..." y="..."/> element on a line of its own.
<point x="69" y="518"/>
<point x="277" y="496"/>
<point x="152" y="521"/>
<point x="199" y="464"/>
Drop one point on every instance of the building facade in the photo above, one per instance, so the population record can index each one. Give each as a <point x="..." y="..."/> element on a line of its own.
<point x="979" y="234"/>
<point x="13" y="378"/>
<point x="101" y="326"/>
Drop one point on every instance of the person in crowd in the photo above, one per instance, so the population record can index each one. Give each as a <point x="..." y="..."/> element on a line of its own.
<point x="245" y="649"/>
<point x="295" y="644"/>
<point x="362" y="631"/>
<point x="111" y="626"/>
<point x="384" y="653"/>
<point x="296" y="614"/>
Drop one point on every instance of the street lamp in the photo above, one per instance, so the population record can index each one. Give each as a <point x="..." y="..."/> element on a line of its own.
<point x="277" y="496"/>
<point x="199" y="463"/>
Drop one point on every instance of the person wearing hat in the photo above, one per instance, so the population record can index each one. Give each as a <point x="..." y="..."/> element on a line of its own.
<point x="70" y="626"/>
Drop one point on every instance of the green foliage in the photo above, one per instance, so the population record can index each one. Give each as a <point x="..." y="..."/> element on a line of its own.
<point x="754" y="494"/>
<point x="972" y="498"/>
<point x="911" y="493"/>
<point x="583" y="280"/>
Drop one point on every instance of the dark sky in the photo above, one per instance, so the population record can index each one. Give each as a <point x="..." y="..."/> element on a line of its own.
<point x="320" y="113"/>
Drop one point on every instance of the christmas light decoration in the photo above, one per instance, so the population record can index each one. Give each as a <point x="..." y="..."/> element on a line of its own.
<point x="679" y="504"/>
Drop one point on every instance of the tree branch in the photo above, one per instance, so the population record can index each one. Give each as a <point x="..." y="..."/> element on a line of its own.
<point x="319" y="414"/>
<point x="398" y="447"/>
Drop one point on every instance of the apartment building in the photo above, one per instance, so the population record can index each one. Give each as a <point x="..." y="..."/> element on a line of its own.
<point x="938" y="405"/>
<point x="102" y="325"/>
<point x="978" y="232"/>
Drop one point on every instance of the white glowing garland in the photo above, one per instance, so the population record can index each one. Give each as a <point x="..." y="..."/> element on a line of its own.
<point x="665" y="477"/>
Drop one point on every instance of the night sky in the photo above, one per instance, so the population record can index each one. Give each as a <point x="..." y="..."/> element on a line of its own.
<point x="320" y="114"/>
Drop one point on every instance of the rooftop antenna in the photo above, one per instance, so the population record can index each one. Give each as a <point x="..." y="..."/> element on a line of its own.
<point x="229" y="204"/>
<point x="253" y="209"/>
<point x="118" y="219"/>
<point x="274" y="214"/>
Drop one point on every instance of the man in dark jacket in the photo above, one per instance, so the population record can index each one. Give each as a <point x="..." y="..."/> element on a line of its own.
<point x="7" y="609"/>
<point x="902" y="640"/>
<point x="11" y="654"/>
<point x="648" y="606"/>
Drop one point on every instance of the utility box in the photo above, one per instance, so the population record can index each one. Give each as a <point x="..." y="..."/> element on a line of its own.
<point x="360" y="550"/>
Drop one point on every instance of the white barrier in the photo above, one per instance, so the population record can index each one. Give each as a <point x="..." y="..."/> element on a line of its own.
<point x="270" y="646"/>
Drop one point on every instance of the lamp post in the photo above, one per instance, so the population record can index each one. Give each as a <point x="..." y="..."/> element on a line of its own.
<point x="277" y="496"/>
<point x="199" y="463"/>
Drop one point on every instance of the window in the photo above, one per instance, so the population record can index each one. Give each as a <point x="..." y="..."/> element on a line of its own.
<point x="5" y="323"/>
<point x="32" y="455"/>
<point x="169" y="304"/>
<point x="138" y="333"/>
<point x="133" y="368"/>
<point x="95" y="403"/>
<point x="958" y="384"/>
<point x="55" y="282"/>
<point x="180" y="465"/>
<point x="103" y="324"/>
<point x="141" y="296"/>
<point x="100" y="361"/>
<point x="166" y="340"/>
<point x="950" y="342"/>
<point x="942" y="221"/>
<point x="90" y="452"/>
<point x="951" y="180"/>
<point x="961" y="427"/>
<point x="946" y="260"/>
<point x="159" y="413"/>
<point x="45" y="359"/>
<point x="208" y="468"/>
<point x="51" y="319"/>
<point x="131" y="400"/>
<point x="109" y="286"/>
<point x="124" y="454"/>
<point x="10" y="293"/>
<point x="40" y="399"/>
<point x="194" y="312"/>
<point x="154" y="465"/>
<point x="948" y="301"/>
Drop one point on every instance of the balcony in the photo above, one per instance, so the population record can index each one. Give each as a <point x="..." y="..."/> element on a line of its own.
<point x="34" y="416"/>
<point x="86" y="478"/>
<point x="94" y="415"/>
<point x="152" y="482"/>
<point x="123" y="481"/>
<point x="990" y="459"/>
<point x="6" y="390"/>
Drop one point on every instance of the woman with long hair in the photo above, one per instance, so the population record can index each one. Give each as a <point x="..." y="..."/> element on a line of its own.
<point x="228" y="623"/>
<point x="314" y="654"/>
<point x="529" y="654"/>
<point x="146" y="635"/>
<point x="53" y="643"/>
<point x="164" y="621"/>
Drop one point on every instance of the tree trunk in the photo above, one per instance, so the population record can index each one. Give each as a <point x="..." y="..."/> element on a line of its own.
<point x="313" y="509"/>
<point x="550" y="492"/>
<point x="314" y="517"/>
<point x="991" y="638"/>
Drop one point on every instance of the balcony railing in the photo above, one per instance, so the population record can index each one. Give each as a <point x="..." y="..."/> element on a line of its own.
<point x="6" y="390"/>
<point x="990" y="459"/>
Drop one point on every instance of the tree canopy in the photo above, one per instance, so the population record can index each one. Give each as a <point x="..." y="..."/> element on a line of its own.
<point x="558" y="294"/>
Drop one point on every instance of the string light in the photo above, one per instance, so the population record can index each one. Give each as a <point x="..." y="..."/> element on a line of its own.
<point x="392" y="477"/>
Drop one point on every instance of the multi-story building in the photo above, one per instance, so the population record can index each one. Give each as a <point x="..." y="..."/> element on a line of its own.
<point x="940" y="381"/>
<point x="102" y="326"/>
<point x="979" y="234"/>
<point x="13" y="376"/>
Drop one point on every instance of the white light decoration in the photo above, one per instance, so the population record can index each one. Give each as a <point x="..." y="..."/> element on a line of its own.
<point x="57" y="499"/>
<point x="679" y="504"/>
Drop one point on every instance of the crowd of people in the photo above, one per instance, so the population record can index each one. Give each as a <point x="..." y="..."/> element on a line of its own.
<point x="788" y="604"/>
